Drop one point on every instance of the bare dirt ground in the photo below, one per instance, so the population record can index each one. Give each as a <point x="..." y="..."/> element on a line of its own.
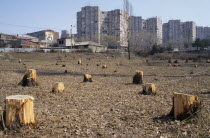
<point x="110" y="106"/>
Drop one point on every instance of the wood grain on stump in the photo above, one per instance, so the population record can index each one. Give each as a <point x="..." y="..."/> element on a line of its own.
<point x="104" y="66"/>
<point x="30" y="78"/>
<point x="58" y="87"/>
<point x="19" y="110"/>
<point x="79" y="61"/>
<point x="138" y="77"/>
<point x="149" y="88"/>
<point x="87" y="78"/>
<point x="184" y="105"/>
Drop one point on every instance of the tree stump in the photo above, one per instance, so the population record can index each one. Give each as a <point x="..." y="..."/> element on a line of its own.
<point x="30" y="78"/>
<point x="19" y="111"/>
<point x="186" y="61"/>
<point x="104" y="66"/>
<point x="2" y="119"/>
<point x="87" y="78"/>
<point x="184" y="106"/>
<point x="79" y="61"/>
<point x="176" y="61"/>
<point x="138" y="77"/>
<point x="149" y="88"/>
<point x="58" y="87"/>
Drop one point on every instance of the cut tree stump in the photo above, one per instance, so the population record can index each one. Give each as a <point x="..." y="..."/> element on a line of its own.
<point x="30" y="78"/>
<point x="79" y="61"/>
<point x="58" y="87"/>
<point x="87" y="78"/>
<point x="149" y="88"/>
<point x="184" y="106"/>
<point x="19" y="111"/>
<point x="104" y="66"/>
<point x="138" y="77"/>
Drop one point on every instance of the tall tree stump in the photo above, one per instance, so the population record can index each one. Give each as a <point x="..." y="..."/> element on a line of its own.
<point x="19" y="111"/>
<point x="30" y="78"/>
<point x="184" y="106"/>
<point x="87" y="78"/>
<point x="149" y="88"/>
<point x="138" y="77"/>
<point x="58" y="87"/>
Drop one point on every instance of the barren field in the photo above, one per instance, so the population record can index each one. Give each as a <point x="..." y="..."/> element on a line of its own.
<point x="110" y="106"/>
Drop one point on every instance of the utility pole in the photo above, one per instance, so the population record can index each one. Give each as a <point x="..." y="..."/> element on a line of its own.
<point x="71" y="37"/>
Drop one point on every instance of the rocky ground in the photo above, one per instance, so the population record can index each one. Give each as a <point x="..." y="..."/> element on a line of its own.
<point x="110" y="106"/>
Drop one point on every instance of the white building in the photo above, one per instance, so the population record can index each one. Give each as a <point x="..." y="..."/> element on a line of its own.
<point x="65" y="42"/>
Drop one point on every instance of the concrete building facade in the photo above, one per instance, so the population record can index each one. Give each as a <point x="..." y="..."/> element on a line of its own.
<point x="154" y="26"/>
<point x="203" y="32"/>
<point x="200" y="32"/>
<point x="165" y="32"/>
<point x="89" y="23"/>
<point x="65" y="34"/>
<point x="118" y="26"/>
<point x="136" y="25"/>
<point x="92" y="24"/>
<point x="175" y="30"/>
<point x="172" y="31"/>
<point x="189" y="31"/>
<point x="207" y="32"/>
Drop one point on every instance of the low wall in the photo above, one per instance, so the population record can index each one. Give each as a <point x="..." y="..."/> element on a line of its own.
<point x="33" y="50"/>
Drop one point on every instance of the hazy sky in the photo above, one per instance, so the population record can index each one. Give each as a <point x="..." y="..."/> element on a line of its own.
<point x="18" y="16"/>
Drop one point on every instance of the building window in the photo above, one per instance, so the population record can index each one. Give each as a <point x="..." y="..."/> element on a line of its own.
<point x="61" y="42"/>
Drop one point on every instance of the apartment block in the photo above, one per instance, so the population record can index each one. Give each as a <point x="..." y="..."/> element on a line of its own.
<point x="118" y="26"/>
<point x="136" y="25"/>
<point x="207" y="32"/>
<point x="172" y="31"/>
<point x="154" y="26"/>
<point x="92" y="24"/>
<point x="89" y="23"/>
<point x="189" y="31"/>
<point x="175" y="30"/>
<point x="165" y="32"/>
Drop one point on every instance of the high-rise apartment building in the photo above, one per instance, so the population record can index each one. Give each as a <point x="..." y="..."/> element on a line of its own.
<point x="89" y="23"/>
<point x="207" y="32"/>
<point x="165" y="32"/>
<point x="200" y="32"/>
<point x="203" y="32"/>
<point x="172" y="31"/>
<point x="92" y="24"/>
<point x="189" y="31"/>
<point x="136" y="25"/>
<point x="175" y="30"/>
<point x="154" y="26"/>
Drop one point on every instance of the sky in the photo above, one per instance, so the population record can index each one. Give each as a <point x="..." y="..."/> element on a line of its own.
<point x="25" y="16"/>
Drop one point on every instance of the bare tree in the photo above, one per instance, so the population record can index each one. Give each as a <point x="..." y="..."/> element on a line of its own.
<point x="128" y="8"/>
<point x="142" y="41"/>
